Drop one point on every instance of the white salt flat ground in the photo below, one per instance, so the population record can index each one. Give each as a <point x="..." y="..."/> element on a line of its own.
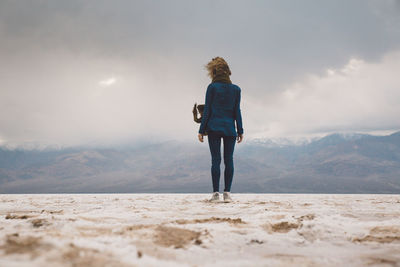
<point x="186" y="230"/>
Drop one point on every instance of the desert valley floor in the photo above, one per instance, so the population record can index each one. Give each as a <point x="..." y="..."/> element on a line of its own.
<point x="187" y="230"/>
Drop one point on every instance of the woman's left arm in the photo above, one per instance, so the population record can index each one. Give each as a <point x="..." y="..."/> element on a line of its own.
<point x="207" y="110"/>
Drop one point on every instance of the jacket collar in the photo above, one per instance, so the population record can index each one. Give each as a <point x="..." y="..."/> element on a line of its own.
<point x="222" y="79"/>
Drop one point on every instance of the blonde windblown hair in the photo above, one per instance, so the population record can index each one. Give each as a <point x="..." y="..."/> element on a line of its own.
<point x="218" y="67"/>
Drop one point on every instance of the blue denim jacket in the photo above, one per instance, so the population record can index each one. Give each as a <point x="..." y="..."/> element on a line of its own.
<point x="222" y="109"/>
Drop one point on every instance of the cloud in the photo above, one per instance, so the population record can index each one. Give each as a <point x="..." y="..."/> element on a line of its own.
<point x="107" y="82"/>
<point x="361" y="96"/>
<point x="100" y="72"/>
<point x="64" y="104"/>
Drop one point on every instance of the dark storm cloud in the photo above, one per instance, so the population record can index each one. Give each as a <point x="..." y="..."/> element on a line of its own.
<point x="54" y="54"/>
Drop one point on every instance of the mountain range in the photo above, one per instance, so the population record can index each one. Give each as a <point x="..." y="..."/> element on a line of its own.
<point x="336" y="163"/>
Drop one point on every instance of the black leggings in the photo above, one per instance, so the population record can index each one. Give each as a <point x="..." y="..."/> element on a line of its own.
<point x="214" y="142"/>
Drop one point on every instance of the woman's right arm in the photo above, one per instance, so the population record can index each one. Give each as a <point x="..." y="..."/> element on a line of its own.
<point x="238" y="115"/>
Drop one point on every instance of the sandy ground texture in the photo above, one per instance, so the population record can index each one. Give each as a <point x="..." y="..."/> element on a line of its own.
<point x="187" y="230"/>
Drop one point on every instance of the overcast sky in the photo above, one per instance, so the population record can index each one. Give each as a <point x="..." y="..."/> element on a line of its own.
<point x="115" y="72"/>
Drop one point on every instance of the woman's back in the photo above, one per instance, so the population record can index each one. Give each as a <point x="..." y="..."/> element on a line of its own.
<point x="224" y="100"/>
<point x="222" y="108"/>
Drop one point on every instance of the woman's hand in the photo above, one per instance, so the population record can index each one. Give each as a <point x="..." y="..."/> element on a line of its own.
<point x="239" y="138"/>
<point x="200" y="136"/>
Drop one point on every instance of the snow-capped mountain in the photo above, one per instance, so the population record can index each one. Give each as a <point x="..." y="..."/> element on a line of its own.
<point x="336" y="163"/>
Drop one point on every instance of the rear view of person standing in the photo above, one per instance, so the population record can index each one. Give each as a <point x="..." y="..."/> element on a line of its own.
<point x="221" y="111"/>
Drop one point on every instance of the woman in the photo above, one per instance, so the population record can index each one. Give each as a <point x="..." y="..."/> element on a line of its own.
<point x="221" y="110"/>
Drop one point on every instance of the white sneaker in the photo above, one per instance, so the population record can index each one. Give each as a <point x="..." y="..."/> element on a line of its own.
<point x="215" y="197"/>
<point x="227" y="197"/>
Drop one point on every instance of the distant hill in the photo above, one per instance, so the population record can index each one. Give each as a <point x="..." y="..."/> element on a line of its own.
<point x="333" y="164"/>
